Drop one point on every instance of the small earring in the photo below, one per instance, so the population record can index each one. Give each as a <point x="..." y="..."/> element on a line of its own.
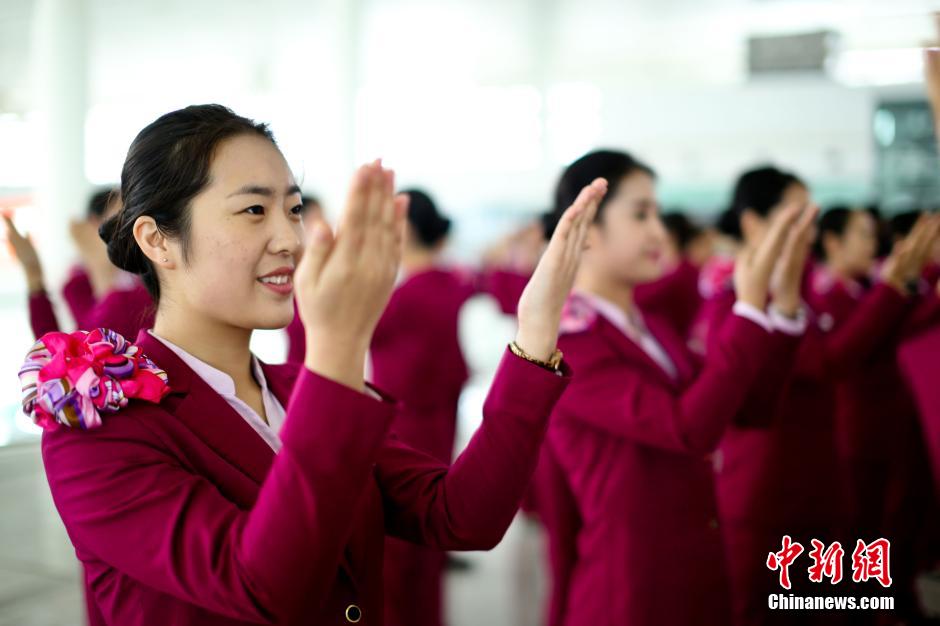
<point x="165" y="260"/>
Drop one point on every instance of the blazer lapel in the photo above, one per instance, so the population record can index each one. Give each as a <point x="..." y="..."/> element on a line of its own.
<point x="208" y="415"/>
<point x="677" y="351"/>
<point x="631" y="351"/>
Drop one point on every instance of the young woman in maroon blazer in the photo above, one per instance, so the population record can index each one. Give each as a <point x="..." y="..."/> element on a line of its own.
<point x="778" y="472"/>
<point x="227" y="491"/>
<point x="879" y="442"/>
<point x="416" y="358"/>
<point x="634" y="433"/>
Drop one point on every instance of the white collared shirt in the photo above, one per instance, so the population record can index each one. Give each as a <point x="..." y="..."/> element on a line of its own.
<point x="222" y="384"/>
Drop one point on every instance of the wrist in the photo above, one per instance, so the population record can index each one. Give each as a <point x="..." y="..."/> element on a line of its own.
<point x="539" y="344"/>
<point x="35" y="282"/>
<point x="756" y="300"/>
<point x="787" y="305"/>
<point x="345" y="368"/>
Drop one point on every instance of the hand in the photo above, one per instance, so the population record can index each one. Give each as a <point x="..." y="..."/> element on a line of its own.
<point x="787" y="278"/>
<point x="94" y="254"/>
<point x="343" y="282"/>
<point x="544" y="296"/>
<point x="909" y="255"/>
<point x="24" y="252"/>
<point x="753" y="268"/>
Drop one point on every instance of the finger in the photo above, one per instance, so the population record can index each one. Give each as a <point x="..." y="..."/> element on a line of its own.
<point x="600" y="190"/>
<point x="921" y="235"/>
<point x="13" y="235"/>
<point x="401" y="203"/>
<point x="376" y="193"/>
<point x="385" y="227"/>
<point x="773" y="242"/>
<point x="929" y="238"/>
<point x="316" y="251"/>
<point x="581" y="206"/>
<point x="590" y="213"/>
<point x="400" y="217"/>
<point x="805" y="226"/>
<point x="388" y="201"/>
<point x="808" y="218"/>
<point x="356" y="199"/>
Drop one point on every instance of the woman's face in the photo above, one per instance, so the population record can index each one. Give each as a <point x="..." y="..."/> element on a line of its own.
<point x="629" y="241"/>
<point x="246" y="236"/>
<point x="855" y="250"/>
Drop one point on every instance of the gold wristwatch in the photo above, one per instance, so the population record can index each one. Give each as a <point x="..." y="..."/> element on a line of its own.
<point x="552" y="364"/>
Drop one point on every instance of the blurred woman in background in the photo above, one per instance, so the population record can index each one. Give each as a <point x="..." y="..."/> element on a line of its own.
<point x="879" y="441"/>
<point x="98" y="294"/>
<point x="416" y="357"/>
<point x="777" y="472"/>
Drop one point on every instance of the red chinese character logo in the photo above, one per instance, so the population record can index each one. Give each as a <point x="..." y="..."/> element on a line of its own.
<point x="872" y="561"/>
<point x="826" y="562"/>
<point x="782" y="560"/>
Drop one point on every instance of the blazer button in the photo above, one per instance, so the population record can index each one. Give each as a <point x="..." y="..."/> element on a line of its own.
<point x="353" y="614"/>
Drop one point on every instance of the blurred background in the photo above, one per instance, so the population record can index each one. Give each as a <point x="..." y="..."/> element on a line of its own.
<point x="480" y="102"/>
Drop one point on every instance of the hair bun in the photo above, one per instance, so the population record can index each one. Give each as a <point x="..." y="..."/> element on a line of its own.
<point x="107" y="228"/>
<point x="123" y="250"/>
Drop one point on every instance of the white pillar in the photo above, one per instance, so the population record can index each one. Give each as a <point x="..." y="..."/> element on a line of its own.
<point x="60" y="72"/>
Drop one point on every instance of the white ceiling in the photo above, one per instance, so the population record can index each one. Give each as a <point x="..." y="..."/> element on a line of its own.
<point x="146" y="44"/>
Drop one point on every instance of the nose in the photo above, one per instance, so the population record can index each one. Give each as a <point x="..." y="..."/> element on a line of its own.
<point x="286" y="234"/>
<point x="658" y="229"/>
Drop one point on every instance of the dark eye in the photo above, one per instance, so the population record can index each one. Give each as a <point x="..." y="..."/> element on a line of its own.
<point x="255" y="210"/>
<point x="297" y="210"/>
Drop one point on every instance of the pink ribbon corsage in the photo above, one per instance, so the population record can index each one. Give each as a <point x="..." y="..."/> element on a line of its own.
<point x="72" y="378"/>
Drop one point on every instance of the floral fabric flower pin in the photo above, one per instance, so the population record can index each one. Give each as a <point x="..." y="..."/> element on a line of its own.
<point x="70" y="379"/>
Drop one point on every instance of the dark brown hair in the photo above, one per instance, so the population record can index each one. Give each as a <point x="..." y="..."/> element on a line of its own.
<point x="167" y="165"/>
<point x="613" y="165"/>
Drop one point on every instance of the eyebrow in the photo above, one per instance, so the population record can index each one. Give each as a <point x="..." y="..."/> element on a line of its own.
<point x="260" y="190"/>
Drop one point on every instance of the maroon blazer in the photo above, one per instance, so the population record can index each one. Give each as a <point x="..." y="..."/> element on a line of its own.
<point x="777" y="470"/>
<point x="79" y="295"/>
<point x="126" y="311"/>
<point x="778" y="465"/>
<point x="674" y="297"/>
<point x="182" y="514"/>
<point x="416" y="357"/>
<point x="919" y="357"/>
<point x="550" y="498"/>
<point x="505" y="285"/>
<point x="634" y="444"/>
<point x="875" y="414"/>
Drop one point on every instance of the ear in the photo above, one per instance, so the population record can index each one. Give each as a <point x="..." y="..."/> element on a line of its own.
<point x="154" y="244"/>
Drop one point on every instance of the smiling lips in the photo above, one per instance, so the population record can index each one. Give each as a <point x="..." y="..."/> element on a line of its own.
<point x="279" y="281"/>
